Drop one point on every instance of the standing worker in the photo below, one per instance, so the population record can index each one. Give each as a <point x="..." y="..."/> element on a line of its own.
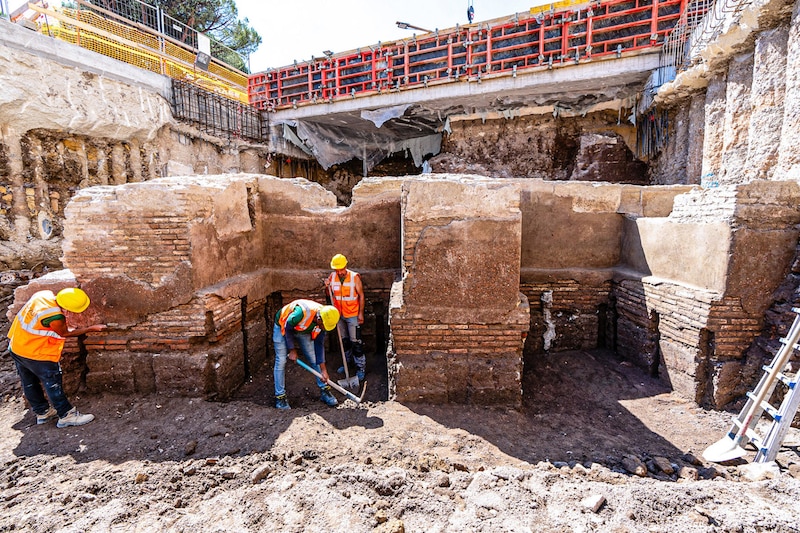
<point x="37" y="339"/>
<point x="302" y="322"/>
<point x="348" y="298"/>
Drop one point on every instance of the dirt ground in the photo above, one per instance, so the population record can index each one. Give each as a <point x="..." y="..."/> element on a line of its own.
<point x="563" y="462"/>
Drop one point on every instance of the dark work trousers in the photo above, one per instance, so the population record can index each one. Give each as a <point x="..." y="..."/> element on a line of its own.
<point x="37" y="374"/>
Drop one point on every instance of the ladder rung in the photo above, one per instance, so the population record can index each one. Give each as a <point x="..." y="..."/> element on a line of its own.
<point x="771" y="411"/>
<point x="785" y="380"/>
<point x="784" y="340"/>
<point x="755" y="438"/>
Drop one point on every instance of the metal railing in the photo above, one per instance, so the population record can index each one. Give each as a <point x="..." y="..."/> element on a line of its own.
<point x="139" y="46"/>
<point x="700" y="23"/>
<point x="215" y="114"/>
<point x="156" y="19"/>
<point x="522" y="43"/>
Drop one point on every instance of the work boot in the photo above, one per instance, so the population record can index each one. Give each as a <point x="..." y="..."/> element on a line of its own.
<point x="282" y="403"/>
<point x="327" y="397"/>
<point x="47" y="417"/>
<point x="74" y="418"/>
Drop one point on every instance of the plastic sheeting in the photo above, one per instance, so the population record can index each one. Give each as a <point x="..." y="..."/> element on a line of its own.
<point x="331" y="146"/>
<point x="379" y="116"/>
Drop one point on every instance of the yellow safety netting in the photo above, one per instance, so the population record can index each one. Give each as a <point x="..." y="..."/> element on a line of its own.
<point x="140" y="48"/>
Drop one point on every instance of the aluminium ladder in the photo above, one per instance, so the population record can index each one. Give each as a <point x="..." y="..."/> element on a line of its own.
<point x="743" y="430"/>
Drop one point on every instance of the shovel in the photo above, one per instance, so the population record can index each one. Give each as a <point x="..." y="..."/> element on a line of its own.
<point x="730" y="447"/>
<point x="348" y="382"/>
<point x="357" y="399"/>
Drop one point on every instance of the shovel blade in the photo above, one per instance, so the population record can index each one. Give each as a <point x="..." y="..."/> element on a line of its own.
<point x="351" y="383"/>
<point x="725" y="449"/>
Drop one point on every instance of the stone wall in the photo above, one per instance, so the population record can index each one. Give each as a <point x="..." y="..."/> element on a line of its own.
<point x="188" y="273"/>
<point x="457" y="318"/>
<point x="71" y="119"/>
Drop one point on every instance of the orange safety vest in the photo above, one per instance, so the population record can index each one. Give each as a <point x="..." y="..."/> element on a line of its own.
<point x="29" y="338"/>
<point x="310" y="309"/>
<point x="345" y="297"/>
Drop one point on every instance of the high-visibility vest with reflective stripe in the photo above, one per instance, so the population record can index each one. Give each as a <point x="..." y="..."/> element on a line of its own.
<point x="29" y="338"/>
<point x="345" y="296"/>
<point x="310" y="309"/>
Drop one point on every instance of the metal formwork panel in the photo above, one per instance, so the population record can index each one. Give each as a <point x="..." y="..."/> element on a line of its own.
<point x="545" y="40"/>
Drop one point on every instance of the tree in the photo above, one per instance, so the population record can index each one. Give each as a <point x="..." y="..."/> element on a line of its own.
<point x="219" y="19"/>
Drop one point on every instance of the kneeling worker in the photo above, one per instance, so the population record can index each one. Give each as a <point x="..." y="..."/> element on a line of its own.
<point x="37" y="340"/>
<point x="302" y="322"/>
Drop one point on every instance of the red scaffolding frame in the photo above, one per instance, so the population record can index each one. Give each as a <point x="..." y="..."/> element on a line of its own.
<point x="542" y="41"/>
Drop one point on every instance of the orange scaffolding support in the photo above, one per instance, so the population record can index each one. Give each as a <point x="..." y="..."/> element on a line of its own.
<point x="541" y="40"/>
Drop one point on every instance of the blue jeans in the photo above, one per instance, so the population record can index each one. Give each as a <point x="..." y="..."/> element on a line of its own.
<point x="37" y="374"/>
<point x="311" y="349"/>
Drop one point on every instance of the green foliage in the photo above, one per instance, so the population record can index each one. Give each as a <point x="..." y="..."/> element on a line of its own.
<point x="219" y="19"/>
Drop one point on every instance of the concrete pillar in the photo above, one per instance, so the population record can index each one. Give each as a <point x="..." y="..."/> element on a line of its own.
<point x="714" y="129"/>
<point x="136" y="161"/>
<point x="676" y="151"/>
<point x="457" y="318"/>
<point x="42" y="196"/>
<point x="767" y="97"/>
<point x="80" y="152"/>
<point x="118" y="174"/>
<point x="737" y="118"/>
<point x="789" y="156"/>
<point x="102" y="166"/>
<point x="20" y="214"/>
<point x="694" y="152"/>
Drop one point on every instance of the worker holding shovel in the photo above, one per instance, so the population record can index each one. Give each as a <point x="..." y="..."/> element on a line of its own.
<point x="347" y="295"/>
<point x="302" y="322"/>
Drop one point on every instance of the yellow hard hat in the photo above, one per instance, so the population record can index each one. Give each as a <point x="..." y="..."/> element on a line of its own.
<point x="74" y="300"/>
<point x="338" y="262"/>
<point x="330" y="316"/>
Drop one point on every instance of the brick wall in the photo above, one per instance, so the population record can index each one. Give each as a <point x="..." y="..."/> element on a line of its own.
<point x="458" y="363"/>
<point x="566" y="315"/>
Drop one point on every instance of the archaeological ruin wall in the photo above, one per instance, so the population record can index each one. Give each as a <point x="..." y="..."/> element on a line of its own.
<point x="468" y="277"/>
<point x="691" y="283"/>
<point x="71" y="119"/>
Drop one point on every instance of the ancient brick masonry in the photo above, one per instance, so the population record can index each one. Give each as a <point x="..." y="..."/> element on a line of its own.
<point x="457" y="318"/>
<point x="188" y="272"/>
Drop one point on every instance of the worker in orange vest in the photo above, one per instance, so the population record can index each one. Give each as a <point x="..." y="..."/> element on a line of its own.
<point x="348" y="298"/>
<point x="37" y="337"/>
<point x="302" y="322"/>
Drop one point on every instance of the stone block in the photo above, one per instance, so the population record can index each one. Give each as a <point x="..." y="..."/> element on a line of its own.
<point x="726" y="379"/>
<point x="112" y="372"/>
<point x="181" y="374"/>
<point x="225" y="366"/>
<point x="478" y="225"/>
<point x="257" y="342"/>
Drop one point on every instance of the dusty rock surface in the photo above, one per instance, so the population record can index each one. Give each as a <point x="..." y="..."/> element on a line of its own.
<point x="597" y="446"/>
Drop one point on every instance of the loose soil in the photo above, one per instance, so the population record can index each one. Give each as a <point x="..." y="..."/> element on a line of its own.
<point x="565" y="461"/>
